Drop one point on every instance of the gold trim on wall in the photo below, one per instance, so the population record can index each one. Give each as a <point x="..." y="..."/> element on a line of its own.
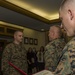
<point x="8" y="29"/>
<point x="13" y="7"/>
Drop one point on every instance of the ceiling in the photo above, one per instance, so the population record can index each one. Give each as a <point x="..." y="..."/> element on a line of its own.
<point x="34" y="14"/>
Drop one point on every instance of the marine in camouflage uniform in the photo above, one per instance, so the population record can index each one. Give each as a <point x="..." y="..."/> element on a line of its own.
<point x="53" y="53"/>
<point x="67" y="15"/>
<point x="15" y="54"/>
<point x="67" y="62"/>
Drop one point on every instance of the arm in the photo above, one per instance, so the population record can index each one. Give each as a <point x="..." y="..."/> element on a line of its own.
<point x="67" y="62"/>
<point x="4" y="61"/>
<point x="49" y="57"/>
<point x="71" y="52"/>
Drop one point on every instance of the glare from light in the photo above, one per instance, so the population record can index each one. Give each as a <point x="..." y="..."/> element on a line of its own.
<point x="9" y="24"/>
<point x="32" y="9"/>
<point x="55" y="16"/>
<point x="42" y="29"/>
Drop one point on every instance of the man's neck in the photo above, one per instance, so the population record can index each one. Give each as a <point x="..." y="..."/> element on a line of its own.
<point x="16" y="42"/>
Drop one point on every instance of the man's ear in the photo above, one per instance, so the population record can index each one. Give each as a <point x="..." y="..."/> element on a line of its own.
<point x="70" y="14"/>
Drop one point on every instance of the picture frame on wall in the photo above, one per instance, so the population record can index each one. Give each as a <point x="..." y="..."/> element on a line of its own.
<point x="31" y="41"/>
<point x="26" y="40"/>
<point x="35" y="41"/>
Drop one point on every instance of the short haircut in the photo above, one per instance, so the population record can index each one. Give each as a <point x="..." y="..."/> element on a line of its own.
<point x="17" y="31"/>
<point x="59" y="32"/>
<point x="66" y="2"/>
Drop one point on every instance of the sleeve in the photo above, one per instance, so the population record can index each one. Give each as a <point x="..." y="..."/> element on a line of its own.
<point x="71" y="52"/>
<point x="26" y="64"/>
<point x="67" y="62"/>
<point x="4" y="61"/>
<point x="49" y="58"/>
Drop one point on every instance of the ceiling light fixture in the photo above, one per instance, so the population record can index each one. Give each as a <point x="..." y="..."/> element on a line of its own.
<point x="42" y="29"/>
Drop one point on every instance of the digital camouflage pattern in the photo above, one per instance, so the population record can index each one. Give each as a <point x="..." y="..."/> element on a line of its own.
<point x="67" y="63"/>
<point x="53" y="53"/>
<point x="15" y="54"/>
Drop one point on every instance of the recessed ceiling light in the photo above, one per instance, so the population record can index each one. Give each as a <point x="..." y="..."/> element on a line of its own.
<point x="42" y="29"/>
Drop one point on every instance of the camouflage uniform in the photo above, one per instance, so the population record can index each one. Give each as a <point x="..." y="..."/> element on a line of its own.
<point x="15" y="54"/>
<point x="67" y="63"/>
<point x="53" y="53"/>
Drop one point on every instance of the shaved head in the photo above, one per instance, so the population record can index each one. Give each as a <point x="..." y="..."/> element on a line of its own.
<point x="67" y="16"/>
<point x="67" y="3"/>
<point x="16" y="32"/>
<point x="18" y="36"/>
